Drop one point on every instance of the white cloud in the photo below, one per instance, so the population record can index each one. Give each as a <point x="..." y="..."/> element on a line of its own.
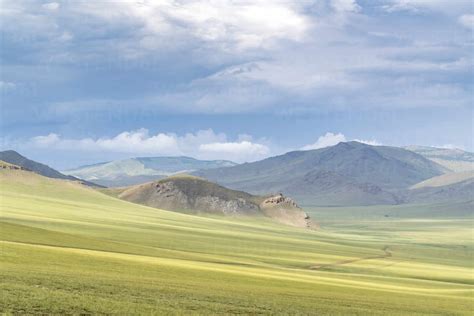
<point x="138" y="141"/>
<point x="242" y="151"/>
<point x="467" y="20"/>
<point x="204" y="144"/>
<point x="371" y="142"/>
<point x="45" y="141"/>
<point x="331" y="139"/>
<point x="233" y="24"/>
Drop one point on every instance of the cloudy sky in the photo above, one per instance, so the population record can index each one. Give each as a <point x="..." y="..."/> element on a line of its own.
<point x="85" y="81"/>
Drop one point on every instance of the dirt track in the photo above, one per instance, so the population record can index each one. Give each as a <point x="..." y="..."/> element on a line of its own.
<point x="386" y="254"/>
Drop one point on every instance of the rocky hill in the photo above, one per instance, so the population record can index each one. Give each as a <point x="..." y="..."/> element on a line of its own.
<point x="190" y="194"/>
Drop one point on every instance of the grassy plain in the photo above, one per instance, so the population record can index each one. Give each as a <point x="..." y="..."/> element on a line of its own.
<point x="70" y="249"/>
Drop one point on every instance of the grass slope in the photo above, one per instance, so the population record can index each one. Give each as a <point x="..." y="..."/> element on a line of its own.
<point x="69" y="249"/>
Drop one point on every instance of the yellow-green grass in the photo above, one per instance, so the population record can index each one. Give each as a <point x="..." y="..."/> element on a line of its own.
<point x="69" y="249"/>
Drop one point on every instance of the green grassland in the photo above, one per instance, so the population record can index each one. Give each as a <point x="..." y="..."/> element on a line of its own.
<point x="70" y="249"/>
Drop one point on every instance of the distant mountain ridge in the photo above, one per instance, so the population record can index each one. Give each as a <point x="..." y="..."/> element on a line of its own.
<point x="454" y="159"/>
<point x="142" y="169"/>
<point x="345" y="174"/>
<point x="12" y="157"/>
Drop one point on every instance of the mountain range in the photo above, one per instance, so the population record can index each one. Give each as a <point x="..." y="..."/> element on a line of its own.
<point x="349" y="173"/>
<point x="142" y="169"/>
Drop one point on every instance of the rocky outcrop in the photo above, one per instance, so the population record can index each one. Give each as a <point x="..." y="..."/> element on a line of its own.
<point x="280" y="200"/>
<point x="285" y="210"/>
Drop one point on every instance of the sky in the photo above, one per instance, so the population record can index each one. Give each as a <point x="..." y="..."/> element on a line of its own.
<point x="83" y="81"/>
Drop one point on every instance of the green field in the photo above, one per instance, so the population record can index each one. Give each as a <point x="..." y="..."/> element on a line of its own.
<point x="70" y="249"/>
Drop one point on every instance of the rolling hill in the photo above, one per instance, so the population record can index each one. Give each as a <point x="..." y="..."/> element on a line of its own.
<point x="450" y="187"/>
<point x="15" y="158"/>
<point x="140" y="170"/>
<point x="349" y="173"/>
<point x="189" y="194"/>
<point x="445" y="179"/>
<point x="455" y="160"/>
<point x="462" y="191"/>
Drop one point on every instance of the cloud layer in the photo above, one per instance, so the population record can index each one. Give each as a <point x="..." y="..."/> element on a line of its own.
<point x="245" y="56"/>
<point x="204" y="144"/>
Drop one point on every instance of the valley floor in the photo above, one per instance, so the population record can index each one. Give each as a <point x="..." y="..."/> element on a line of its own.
<point x="69" y="249"/>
